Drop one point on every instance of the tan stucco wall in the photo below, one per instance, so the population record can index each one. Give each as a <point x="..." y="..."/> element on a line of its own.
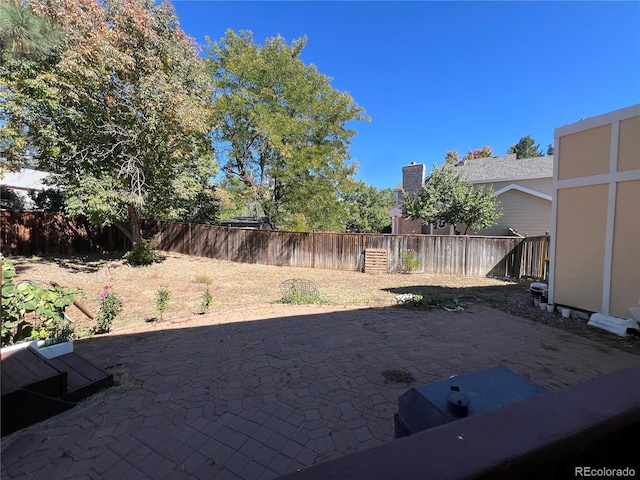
<point x="625" y="265"/>
<point x="585" y="153"/>
<point x="580" y="246"/>
<point x="629" y="144"/>
<point x="598" y="270"/>
<point x="525" y="213"/>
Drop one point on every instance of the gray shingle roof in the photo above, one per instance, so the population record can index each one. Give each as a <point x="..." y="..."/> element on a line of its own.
<point x="506" y="167"/>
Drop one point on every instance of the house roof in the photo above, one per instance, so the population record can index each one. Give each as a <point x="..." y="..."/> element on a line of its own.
<point x="261" y="223"/>
<point x="25" y="179"/>
<point x="520" y="188"/>
<point x="506" y="167"/>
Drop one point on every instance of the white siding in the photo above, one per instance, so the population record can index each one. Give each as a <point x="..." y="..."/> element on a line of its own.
<point x="528" y="214"/>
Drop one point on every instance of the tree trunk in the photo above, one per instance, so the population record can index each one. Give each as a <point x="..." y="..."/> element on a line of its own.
<point x="134" y="225"/>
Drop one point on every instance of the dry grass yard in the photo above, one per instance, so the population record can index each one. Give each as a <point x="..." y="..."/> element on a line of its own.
<point x="232" y="284"/>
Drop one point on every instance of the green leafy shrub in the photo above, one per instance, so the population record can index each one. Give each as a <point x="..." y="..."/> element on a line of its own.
<point x="143" y="253"/>
<point x="409" y="261"/>
<point x="63" y="334"/>
<point x="30" y="311"/>
<point x="110" y="307"/>
<point x="162" y="301"/>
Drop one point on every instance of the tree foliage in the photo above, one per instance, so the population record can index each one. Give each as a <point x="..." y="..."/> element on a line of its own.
<point x="23" y="34"/>
<point x="281" y="130"/>
<point x="550" y="150"/>
<point x="483" y="152"/>
<point x="10" y="200"/>
<point x="204" y="208"/>
<point x="237" y="199"/>
<point x="447" y="197"/>
<point x="120" y="116"/>
<point x="48" y="200"/>
<point x="26" y="42"/>
<point x="368" y="208"/>
<point x="451" y="156"/>
<point x="526" y="148"/>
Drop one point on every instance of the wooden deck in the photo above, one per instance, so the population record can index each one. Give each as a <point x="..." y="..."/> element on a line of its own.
<point x="35" y="388"/>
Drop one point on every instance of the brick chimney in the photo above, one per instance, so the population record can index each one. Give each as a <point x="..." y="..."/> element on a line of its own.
<point x="413" y="177"/>
<point x="412" y="180"/>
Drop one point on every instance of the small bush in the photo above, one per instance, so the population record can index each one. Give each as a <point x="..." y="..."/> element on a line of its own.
<point x="162" y="301"/>
<point x="303" y="297"/>
<point x="409" y="261"/>
<point x="143" y="253"/>
<point x="207" y="299"/>
<point x="204" y="278"/>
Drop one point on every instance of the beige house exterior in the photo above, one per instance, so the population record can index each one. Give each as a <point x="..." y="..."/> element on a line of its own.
<point x="595" y="233"/>
<point x="523" y="187"/>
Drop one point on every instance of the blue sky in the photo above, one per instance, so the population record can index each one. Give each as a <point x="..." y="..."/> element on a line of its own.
<point x="437" y="76"/>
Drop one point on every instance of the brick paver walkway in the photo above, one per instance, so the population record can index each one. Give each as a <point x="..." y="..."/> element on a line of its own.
<point x="258" y="392"/>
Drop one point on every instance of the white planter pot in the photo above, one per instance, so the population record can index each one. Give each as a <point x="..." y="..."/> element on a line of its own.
<point x="566" y="312"/>
<point x="550" y="307"/>
<point x="19" y="346"/>
<point x="543" y="306"/>
<point x="55" y="350"/>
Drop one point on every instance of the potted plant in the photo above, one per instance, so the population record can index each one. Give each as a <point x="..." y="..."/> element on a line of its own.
<point x="33" y="315"/>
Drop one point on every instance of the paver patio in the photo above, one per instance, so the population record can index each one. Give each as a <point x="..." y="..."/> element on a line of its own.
<point x="257" y="392"/>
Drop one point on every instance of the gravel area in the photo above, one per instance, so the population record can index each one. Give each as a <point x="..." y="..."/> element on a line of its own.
<point x="521" y="304"/>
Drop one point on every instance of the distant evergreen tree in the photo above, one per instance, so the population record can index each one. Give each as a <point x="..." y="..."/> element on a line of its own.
<point x="526" y="148"/>
<point x="451" y="156"/>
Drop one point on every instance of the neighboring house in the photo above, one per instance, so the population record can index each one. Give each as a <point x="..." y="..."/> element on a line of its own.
<point x="523" y="187"/>
<point x="253" y="223"/>
<point x="23" y="181"/>
<point x="595" y="233"/>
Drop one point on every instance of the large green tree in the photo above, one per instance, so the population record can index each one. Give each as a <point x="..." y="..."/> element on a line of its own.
<point x="526" y="148"/>
<point x="281" y="129"/>
<point x="122" y="117"/>
<point x="447" y="197"/>
<point x="368" y="208"/>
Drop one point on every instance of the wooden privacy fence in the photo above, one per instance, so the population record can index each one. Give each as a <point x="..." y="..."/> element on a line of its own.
<point x="45" y="233"/>
<point x="449" y="255"/>
<point x="41" y="233"/>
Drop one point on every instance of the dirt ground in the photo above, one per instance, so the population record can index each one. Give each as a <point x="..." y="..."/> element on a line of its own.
<point x="238" y="284"/>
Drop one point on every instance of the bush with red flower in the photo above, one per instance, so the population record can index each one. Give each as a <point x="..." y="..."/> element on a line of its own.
<point x="110" y="307"/>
